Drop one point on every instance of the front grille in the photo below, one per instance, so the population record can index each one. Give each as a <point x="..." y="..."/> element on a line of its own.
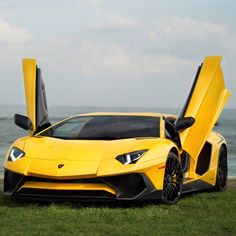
<point x="12" y="181"/>
<point x="127" y="186"/>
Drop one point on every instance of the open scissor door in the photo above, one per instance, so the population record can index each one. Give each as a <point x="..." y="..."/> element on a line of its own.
<point x="36" y="104"/>
<point x="205" y="103"/>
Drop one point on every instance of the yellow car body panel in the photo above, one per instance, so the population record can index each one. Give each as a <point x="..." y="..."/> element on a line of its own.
<point x="29" y="75"/>
<point x="54" y="165"/>
<point x="47" y="153"/>
<point x="68" y="186"/>
<point x="206" y="103"/>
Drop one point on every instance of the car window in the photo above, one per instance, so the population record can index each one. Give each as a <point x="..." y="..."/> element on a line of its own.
<point x="106" y="127"/>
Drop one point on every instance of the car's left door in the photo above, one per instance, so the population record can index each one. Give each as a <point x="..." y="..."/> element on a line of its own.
<point x="36" y="104"/>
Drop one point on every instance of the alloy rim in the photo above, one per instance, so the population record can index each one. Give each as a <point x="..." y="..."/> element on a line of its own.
<point x="173" y="180"/>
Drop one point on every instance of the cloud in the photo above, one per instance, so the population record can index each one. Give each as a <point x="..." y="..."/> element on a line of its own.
<point x="112" y="58"/>
<point x="182" y="27"/>
<point x="97" y="60"/>
<point x="93" y="59"/>
<point x="11" y="34"/>
<point x="60" y="41"/>
<point x="108" y="21"/>
<point x="112" y="21"/>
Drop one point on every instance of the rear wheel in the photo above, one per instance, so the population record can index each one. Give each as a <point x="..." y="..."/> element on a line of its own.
<point x="173" y="180"/>
<point x="222" y="171"/>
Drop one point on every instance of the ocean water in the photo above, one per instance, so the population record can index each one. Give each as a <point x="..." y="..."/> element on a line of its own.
<point x="9" y="132"/>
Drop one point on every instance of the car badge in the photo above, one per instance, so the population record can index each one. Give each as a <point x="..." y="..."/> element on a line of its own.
<point x="60" y="166"/>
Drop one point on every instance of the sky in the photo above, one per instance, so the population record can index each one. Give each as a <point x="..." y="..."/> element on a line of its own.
<point x="126" y="53"/>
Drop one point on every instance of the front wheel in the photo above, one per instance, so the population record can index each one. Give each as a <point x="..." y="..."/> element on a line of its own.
<point x="222" y="171"/>
<point x="173" y="180"/>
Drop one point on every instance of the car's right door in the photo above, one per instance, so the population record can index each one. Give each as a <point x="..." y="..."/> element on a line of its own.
<point x="205" y="103"/>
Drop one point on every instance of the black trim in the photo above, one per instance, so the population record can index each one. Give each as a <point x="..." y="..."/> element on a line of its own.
<point x="184" y="123"/>
<point x="42" y="121"/>
<point x="12" y="182"/>
<point x="127" y="186"/>
<point x="22" y="121"/>
<point x="190" y="94"/>
<point x="133" y="186"/>
<point x="196" y="186"/>
<point x="204" y="158"/>
<point x="170" y="131"/>
<point x="185" y="160"/>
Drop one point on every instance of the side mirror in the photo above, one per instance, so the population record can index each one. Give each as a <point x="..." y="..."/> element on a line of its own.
<point x="184" y="123"/>
<point x="23" y="121"/>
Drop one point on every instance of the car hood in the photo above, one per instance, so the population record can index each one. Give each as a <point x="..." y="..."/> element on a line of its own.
<point x="79" y="150"/>
<point x="45" y="155"/>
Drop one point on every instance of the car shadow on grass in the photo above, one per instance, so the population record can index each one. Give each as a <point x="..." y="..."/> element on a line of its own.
<point x="16" y="202"/>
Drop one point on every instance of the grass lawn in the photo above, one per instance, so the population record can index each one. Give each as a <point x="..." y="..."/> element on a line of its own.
<point x="196" y="214"/>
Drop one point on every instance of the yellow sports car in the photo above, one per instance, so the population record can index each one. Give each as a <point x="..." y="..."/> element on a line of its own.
<point x="120" y="156"/>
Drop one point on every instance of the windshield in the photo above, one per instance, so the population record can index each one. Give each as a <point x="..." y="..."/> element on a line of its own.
<point x="105" y="127"/>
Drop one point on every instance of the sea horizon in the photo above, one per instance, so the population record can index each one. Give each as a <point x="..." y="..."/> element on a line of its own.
<point x="9" y="132"/>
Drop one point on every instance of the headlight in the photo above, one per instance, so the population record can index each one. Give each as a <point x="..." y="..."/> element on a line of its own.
<point x="132" y="157"/>
<point x="15" y="154"/>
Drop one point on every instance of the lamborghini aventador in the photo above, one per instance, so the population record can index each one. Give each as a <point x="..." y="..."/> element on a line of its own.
<point x="120" y="156"/>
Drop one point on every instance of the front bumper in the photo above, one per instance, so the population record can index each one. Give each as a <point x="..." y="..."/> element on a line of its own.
<point x="136" y="187"/>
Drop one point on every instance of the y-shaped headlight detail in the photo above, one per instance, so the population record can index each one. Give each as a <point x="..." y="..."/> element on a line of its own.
<point x="15" y="154"/>
<point x="132" y="157"/>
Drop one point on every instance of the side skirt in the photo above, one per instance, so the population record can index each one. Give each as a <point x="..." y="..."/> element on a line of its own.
<point x="196" y="185"/>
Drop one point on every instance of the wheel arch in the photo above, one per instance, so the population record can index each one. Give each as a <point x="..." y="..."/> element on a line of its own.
<point x="222" y="145"/>
<point x="221" y="182"/>
<point x="173" y="174"/>
<point x="225" y="146"/>
<point x="175" y="151"/>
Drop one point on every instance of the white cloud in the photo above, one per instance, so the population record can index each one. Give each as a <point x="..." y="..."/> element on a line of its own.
<point x="121" y="51"/>
<point x="60" y="41"/>
<point x="112" y="21"/>
<point x="106" y="20"/>
<point x="11" y="34"/>
<point x="96" y="60"/>
<point x="178" y="27"/>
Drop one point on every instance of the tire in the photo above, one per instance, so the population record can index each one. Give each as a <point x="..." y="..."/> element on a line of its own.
<point x="173" y="180"/>
<point x="222" y="171"/>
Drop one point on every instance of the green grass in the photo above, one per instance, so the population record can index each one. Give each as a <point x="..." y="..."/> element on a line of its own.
<point x="196" y="214"/>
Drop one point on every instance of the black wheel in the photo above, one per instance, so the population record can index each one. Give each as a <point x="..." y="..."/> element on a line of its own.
<point x="222" y="171"/>
<point x="173" y="180"/>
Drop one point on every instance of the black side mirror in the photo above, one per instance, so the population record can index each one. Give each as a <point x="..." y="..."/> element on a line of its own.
<point x="184" y="123"/>
<point x="23" y="121"/>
